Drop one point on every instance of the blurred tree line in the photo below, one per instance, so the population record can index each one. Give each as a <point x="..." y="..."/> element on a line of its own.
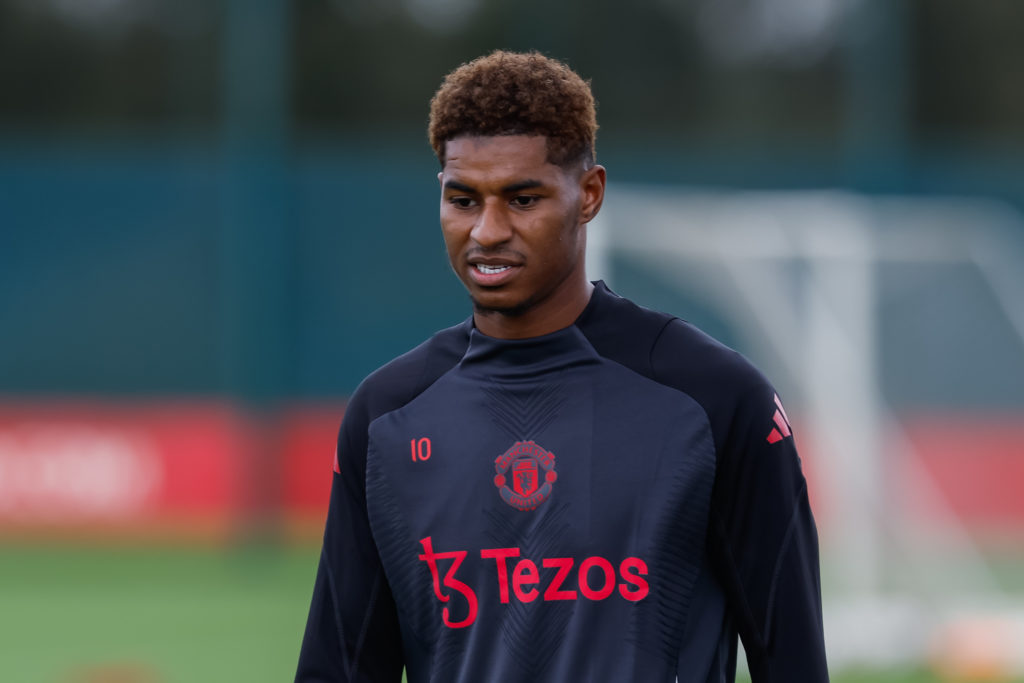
<point x="722" y="72"/>
<point x="197" y="234"/>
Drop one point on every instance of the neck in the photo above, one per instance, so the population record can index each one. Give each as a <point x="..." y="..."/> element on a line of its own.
<point x="550" y="315"/>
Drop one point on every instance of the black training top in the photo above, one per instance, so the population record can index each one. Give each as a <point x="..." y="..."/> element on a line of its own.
<point x="611" y="502"/>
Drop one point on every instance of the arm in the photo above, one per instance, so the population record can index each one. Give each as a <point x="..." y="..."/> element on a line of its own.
<point x="764" y="543"/>
<point x="352" y="632"/>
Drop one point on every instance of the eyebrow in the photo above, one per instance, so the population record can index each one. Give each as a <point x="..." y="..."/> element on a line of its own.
<point x="456" y="185"/>
<point x="522" y="185"/>
<point x="508" y="189"/>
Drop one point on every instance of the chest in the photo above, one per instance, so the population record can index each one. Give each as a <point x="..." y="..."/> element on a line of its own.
<point x="577" y="462"/>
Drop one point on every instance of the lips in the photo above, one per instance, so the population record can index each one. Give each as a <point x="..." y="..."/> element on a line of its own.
<point x="490" y="270"/>
<point x="492" y="273"/>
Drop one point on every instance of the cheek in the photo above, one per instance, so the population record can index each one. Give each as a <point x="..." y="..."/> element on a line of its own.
<point x="558" y="250"/>
<point x="456" y="242"/>
<point x="565" y="239"/>
<point x="451" y="234"/>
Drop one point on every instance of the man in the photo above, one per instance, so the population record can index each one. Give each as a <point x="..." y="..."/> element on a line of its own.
<point x="565" y="487"/>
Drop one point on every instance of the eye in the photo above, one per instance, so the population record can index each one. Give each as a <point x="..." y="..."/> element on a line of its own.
<point x="461" y="202"/>
<point x="524" y="200"/>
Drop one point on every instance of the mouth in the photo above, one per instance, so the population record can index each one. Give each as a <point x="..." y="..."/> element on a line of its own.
<point x="490" y="270"/>
<point x="492" y="274"/>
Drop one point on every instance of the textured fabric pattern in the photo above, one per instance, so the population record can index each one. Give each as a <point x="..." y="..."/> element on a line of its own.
<point x="598" y="504"/>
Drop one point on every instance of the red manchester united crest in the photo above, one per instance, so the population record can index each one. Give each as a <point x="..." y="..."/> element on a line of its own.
<point x="525" y="475"/>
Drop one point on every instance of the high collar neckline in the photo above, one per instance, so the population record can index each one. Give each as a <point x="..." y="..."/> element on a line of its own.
<point x="527" y="357"/>
<point x="524" y="357"/>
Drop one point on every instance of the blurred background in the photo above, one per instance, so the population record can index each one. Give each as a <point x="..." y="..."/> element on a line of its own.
<point x="217" y="216"/>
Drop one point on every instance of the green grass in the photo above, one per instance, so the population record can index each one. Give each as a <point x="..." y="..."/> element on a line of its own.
<point x="154" y="615"/>
<point x="163" y="615"/>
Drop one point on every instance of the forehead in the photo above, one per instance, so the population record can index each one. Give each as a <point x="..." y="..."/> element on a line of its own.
<point x="505" y="156"/>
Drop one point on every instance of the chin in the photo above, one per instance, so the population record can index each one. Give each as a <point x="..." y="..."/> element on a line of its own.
<point x="492" y="302"/>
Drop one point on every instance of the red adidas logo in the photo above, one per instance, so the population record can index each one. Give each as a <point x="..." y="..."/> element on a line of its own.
<point x="781" y="429"/>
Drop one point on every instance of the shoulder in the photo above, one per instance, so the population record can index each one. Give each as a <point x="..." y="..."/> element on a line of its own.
<point x="675" y="353"/>
<point x="686" y="356"/>
<point x="401" y="380"/>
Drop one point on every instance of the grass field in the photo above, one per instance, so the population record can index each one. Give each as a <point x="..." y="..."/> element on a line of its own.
<point x="156" y="615"/>
<point x="162" y="615"/>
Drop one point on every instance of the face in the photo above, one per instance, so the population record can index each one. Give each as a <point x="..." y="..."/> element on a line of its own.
<point x="515" y="229"/>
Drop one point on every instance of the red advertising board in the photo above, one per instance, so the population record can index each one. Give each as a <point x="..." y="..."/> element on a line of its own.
<point x="121" y="466"/>
<point x="310" y="435"/>
<point x="203" y="469"/>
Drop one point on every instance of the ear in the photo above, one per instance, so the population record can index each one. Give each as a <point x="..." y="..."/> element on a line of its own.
<point x="592" y="183"/>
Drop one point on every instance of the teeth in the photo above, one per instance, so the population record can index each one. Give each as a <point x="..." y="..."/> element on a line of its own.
<point x="490" y="270"/>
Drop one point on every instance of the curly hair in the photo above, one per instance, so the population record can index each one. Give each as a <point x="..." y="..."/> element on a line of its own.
<point x="510" y="93"/>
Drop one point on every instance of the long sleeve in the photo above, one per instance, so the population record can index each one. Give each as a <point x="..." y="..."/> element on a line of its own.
<point x="352" y="632"/>
<point x="764" y="543"/>
<point x="761" y="539"/>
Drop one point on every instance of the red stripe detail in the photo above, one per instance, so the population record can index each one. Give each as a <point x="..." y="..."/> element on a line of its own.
<point x="782" y="410"/>
<point x="774" y="437"/>
<point x="781" y="422"/>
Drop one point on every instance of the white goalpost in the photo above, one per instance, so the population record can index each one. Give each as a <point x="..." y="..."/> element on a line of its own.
<point x="796" y="274"/>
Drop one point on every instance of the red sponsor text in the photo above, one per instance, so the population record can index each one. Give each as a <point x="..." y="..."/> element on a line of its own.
<point x="595" y="578"/>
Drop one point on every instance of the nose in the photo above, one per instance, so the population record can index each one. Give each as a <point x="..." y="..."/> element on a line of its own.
<point x="492" y="226"/>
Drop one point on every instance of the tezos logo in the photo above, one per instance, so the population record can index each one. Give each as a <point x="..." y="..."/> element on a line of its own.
<point x="526" y="460"/>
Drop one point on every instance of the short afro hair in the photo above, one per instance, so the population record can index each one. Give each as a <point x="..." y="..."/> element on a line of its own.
<point x="511" y="93"/>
